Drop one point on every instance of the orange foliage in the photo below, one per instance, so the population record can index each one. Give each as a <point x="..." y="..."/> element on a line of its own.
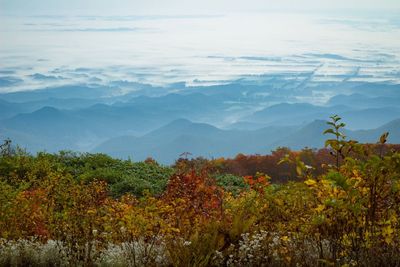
<point x="198" y="193"/>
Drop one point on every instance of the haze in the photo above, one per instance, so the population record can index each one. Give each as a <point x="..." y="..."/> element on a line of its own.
<point x="98" y="75"/>
<point x="152" y="7"/>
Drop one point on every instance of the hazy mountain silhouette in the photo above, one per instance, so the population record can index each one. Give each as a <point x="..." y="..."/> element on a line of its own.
<point x="168" y="142"/>
<point x="301" y="113"/>
<point x="392" y="127"/>
<point x="251" y="115"/>
<point x="363" y="101"/>
<point x="8" y="109"/>
<point x="66" y="91"/>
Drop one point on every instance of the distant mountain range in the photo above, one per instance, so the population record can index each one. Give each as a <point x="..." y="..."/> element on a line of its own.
<point x="168" y="142"/>
<point x="211" y="121"/>
<point x="356" y="118"/>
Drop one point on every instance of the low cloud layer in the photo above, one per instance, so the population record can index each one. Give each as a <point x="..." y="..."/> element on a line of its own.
<point x="129" y="7"/>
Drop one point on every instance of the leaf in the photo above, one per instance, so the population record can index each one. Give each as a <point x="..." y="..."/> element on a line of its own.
<point x="341" y="125"/>
<point x="279" y="202"/>
<point x="352" y="142"/>
<point x="387" y="233"/>
<point x="328" y="142"/>
<point x="285" y="238"/>
<point x="332" y="143"/>
<point x="330" y="131"/>
<point x="282" y="161"/>
<point x="285" y="159"/>
<point x="335" y="118"/>
<point x="310" y="182"/>
<point x="320" y="208"/>
<point x="338" y="179"/>
<point x="299" y="170"/>
<point x="383" y="138"/>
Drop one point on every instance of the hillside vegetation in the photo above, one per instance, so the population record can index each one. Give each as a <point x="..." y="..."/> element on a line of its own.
<point x="338" y="206"/>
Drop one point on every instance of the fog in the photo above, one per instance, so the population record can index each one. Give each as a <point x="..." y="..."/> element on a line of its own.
<point x="167" y="49"/>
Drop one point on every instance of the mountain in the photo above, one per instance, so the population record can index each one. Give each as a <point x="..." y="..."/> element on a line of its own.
<point x="197" y="119"/>
<point x="106" y="128"/>
<point x="165" y="143"/>
<point x="63" y="92"/>
<point x="65" y="103"/>
<point x="183" y="126"/>
<point x="168" y="142"/>
<point x="370" y="118"/>
<point x="45" y="121"/>
<point x="50" y="128"/>
<point x="311" y="135"/>
<point x="88" y="124"/>
<point x="8" y="109"/>
<point x="363" y="101"/>
<point x="377" y="90"/>
<point x="245" y="125"/>
<point x="292" y="114"/>
<point x="372" y="136"/>
<point x="302" y="113"/>
<point x="308" y="136"/>
<point x="11" y="109"/>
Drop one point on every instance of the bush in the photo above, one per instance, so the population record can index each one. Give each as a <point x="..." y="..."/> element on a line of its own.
<point x="84" y="209"/>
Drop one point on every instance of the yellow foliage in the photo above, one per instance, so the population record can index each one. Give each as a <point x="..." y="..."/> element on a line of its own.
<point x="310" y="182"/>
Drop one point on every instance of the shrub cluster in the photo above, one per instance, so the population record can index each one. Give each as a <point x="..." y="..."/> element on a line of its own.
<point x="92" y="210"/>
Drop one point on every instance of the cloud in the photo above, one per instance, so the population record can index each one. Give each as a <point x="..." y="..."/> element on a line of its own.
<point x="117" y="29"/>
<point x="41" y="77"/>
<point x="387" y="24"/>
<point x="329" y="56"/>
<point x="9" y="81"/>
<point x="181" y="6"/>
<point x="7" y="71"/>
<point x="120" y="29"/>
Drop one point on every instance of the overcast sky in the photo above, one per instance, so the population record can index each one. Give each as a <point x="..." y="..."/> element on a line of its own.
<point x="146" y="7"/>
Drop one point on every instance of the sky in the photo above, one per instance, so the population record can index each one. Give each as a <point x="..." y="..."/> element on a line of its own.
<point x="151" y="7"/>
<point x="131" y="40"/>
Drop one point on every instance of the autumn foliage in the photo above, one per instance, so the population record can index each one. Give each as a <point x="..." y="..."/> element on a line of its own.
<point x="339" y="206"/>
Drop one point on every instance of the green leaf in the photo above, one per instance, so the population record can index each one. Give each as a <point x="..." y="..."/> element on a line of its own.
<point x="338" y="179"/>
<point x="330" y="131"/>
<point x="335" y="118"/>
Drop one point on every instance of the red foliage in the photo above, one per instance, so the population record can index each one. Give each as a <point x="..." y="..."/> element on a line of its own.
<point x="258" y="182"/>
<point x="200" y="193"/>
<point x="32" y="205"/>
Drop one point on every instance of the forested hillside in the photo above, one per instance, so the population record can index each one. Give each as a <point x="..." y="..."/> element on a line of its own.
<point x="337" y="206"/>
